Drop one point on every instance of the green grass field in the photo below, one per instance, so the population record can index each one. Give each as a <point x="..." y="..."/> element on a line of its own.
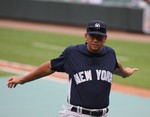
<point x="30" y="47"/>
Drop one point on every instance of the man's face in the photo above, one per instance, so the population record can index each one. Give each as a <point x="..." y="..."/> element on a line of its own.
<point x="94" y="42"/>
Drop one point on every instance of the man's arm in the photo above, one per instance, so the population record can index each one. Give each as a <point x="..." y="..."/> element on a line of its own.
<point x="124" y="72"/>
<point x="43" y="70"/>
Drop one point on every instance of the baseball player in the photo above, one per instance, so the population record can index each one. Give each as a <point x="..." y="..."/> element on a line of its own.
<point x="90" y="67"/>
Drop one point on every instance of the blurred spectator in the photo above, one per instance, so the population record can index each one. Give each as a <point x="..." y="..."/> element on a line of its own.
<point x="140" y="3"/>
<point x="86" y="1"/>
<point x="148" y="2"/>
<point x="92" y="1"/>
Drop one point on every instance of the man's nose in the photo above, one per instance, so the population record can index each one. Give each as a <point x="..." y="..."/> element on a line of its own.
<point x="95" y="39"/>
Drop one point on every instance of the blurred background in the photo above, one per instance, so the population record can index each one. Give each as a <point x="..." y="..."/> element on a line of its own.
<point x="127" y="15"/>
<point x="34" y="31"/>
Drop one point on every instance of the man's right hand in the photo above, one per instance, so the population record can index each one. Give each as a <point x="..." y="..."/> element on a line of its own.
<point x="13" y="81"/>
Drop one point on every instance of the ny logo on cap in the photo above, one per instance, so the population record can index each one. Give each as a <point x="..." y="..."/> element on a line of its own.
<point x="97" y="25"/>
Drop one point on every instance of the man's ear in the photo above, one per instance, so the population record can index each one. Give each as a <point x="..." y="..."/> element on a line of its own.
<point x="85" y="37"/>
<point x="104" y="39"/>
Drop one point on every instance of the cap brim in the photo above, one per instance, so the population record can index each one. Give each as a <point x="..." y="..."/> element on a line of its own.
<point x="98" y="33"/>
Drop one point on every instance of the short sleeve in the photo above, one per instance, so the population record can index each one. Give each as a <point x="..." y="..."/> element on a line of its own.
<point x="116" y="65"/>
<point x="58" y="63"/>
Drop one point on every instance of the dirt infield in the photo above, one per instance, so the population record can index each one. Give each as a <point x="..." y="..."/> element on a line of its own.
<point x="80" y="31"/>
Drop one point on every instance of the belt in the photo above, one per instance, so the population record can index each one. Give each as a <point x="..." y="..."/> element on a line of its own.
<point x="93" y="113"/>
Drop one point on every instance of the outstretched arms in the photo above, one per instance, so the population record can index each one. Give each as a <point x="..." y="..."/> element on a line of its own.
<point x="43" y="70"/>
<point x="124" y="72"/>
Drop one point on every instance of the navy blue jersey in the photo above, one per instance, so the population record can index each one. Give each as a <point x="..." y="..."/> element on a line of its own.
<point x="90" y="75"/>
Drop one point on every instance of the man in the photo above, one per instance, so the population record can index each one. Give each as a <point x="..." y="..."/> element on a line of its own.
<point x="90" y="67"/>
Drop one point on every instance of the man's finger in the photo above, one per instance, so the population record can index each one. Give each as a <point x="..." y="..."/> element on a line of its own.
<point x="10" y="85"/>
<point x="14" y="85"/>
<point x="136" y="69"/>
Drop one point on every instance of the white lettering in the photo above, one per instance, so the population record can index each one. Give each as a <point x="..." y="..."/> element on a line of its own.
<point x="77" y="79"/>
<point x="109" y="76"/>
<point x="88" y="75"/>
<point x="82" y="76"/>
<point x="103" y="75"/>
<point x="98" y="72"/>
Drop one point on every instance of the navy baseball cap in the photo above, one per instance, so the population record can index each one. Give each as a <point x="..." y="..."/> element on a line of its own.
<point x="96" y="27"/>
